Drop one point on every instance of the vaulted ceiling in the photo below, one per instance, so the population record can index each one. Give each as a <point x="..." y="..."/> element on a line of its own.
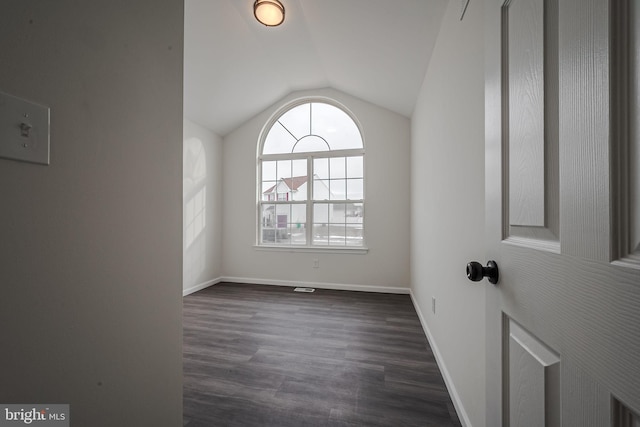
<point x="234" y="67"/>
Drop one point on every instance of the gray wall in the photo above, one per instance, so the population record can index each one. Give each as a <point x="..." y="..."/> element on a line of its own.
<point x="90" y="247"/>
<point x="384" y="267"/>
<point x="202" y="213"/>
<point x="447" y="213"/>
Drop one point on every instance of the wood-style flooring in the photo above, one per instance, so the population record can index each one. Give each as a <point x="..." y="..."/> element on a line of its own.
<point x="268" y="356"/>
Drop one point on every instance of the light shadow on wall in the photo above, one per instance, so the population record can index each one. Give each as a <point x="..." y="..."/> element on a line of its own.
<point x="195" y="207"/>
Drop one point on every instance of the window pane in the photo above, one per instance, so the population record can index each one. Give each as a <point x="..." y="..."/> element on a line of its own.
<point x="300" y="167"/>
<point x="310" y="143"/>
<point x="336" y="213"/>
<point x="321" y="213"/>
<point x="296" y="121"/>
<point x="299" y="191"/>
<point x="267" y="186"/>
<point x="337" y="167"/>
<point x="320" y="234"/>
<point x="320" y="189"/>
<point x="355" y="167"/>
<point x="278" y="140"/>
<point x="337" y="235"/>
<point x="355" y="189"/>
<point x="338" y="189"/>
<point x="282" y="234"/>
<point x="269" y="171"/>
<point x="335" y="126"/>
<point x="267" y="226"/>
<point x="354" y="213"/>
<point x="298" y="214"/>
<point x="268" y="215"/>
<point x="321" y="168"/>
<point x="268" y="190"/>
<point x="282" y="213"/>
<point x="354" y="235"/>
<point x="284" y="169"/>
<point x="298" y="234"/>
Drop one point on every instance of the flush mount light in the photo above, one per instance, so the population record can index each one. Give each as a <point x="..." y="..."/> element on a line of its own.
<point x="269" y="12"/>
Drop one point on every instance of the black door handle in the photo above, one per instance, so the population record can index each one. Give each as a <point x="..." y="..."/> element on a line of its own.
<point x="475" y="271"/>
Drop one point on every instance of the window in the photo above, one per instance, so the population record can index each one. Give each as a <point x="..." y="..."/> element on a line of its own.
<point x="311" y="179"/>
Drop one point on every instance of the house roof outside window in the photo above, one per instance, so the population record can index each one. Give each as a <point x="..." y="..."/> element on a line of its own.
<point x="293" y="183"/>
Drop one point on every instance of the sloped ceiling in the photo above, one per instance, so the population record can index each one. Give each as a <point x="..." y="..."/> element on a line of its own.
<point x="234" y="67"/>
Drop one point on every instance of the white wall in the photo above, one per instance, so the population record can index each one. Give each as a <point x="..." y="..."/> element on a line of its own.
<point x="447" y="212"/>
<point x="90" y="266"/>
<point x="386" y="265"/>
<point x="202" y="207"/>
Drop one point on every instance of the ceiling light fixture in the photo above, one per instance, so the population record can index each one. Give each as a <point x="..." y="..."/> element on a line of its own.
<point x="269" y="12"/>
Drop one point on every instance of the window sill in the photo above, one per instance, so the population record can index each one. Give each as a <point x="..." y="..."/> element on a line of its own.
<point x="361" y="250"/>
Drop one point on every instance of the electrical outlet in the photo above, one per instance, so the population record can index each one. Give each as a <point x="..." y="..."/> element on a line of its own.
<point x="316" y="263"/>
<point x="433" y="304"/>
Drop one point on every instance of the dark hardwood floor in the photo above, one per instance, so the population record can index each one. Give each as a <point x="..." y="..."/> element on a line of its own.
<point x="267" y="356"/>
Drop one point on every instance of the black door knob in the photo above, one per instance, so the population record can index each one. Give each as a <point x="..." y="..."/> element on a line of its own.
<point x="475" y="271"/>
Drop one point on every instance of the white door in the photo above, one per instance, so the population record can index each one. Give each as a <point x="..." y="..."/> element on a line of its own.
<point x="563" y="212"/>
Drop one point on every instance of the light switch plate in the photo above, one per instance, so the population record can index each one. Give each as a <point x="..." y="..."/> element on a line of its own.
<point x="24" y="130"/>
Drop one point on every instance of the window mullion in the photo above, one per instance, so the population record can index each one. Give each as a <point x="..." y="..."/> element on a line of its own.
<point x="293" y="156"/>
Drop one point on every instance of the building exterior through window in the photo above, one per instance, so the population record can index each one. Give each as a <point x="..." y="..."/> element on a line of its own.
<point x="311" y="178"/>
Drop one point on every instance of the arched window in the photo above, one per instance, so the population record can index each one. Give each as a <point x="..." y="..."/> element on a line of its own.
<point x="311" y="178"/>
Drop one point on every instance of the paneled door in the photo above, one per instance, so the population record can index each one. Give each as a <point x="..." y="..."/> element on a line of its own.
<point x="563" y="212"/>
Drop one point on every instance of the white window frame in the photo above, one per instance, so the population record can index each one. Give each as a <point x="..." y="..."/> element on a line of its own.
<point x="309" y="202"/>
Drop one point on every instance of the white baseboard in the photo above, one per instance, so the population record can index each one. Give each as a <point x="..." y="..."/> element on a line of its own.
<point x="462" y="414"/>
<point x="319" y="285"/>
<point x="200" y="286"/>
